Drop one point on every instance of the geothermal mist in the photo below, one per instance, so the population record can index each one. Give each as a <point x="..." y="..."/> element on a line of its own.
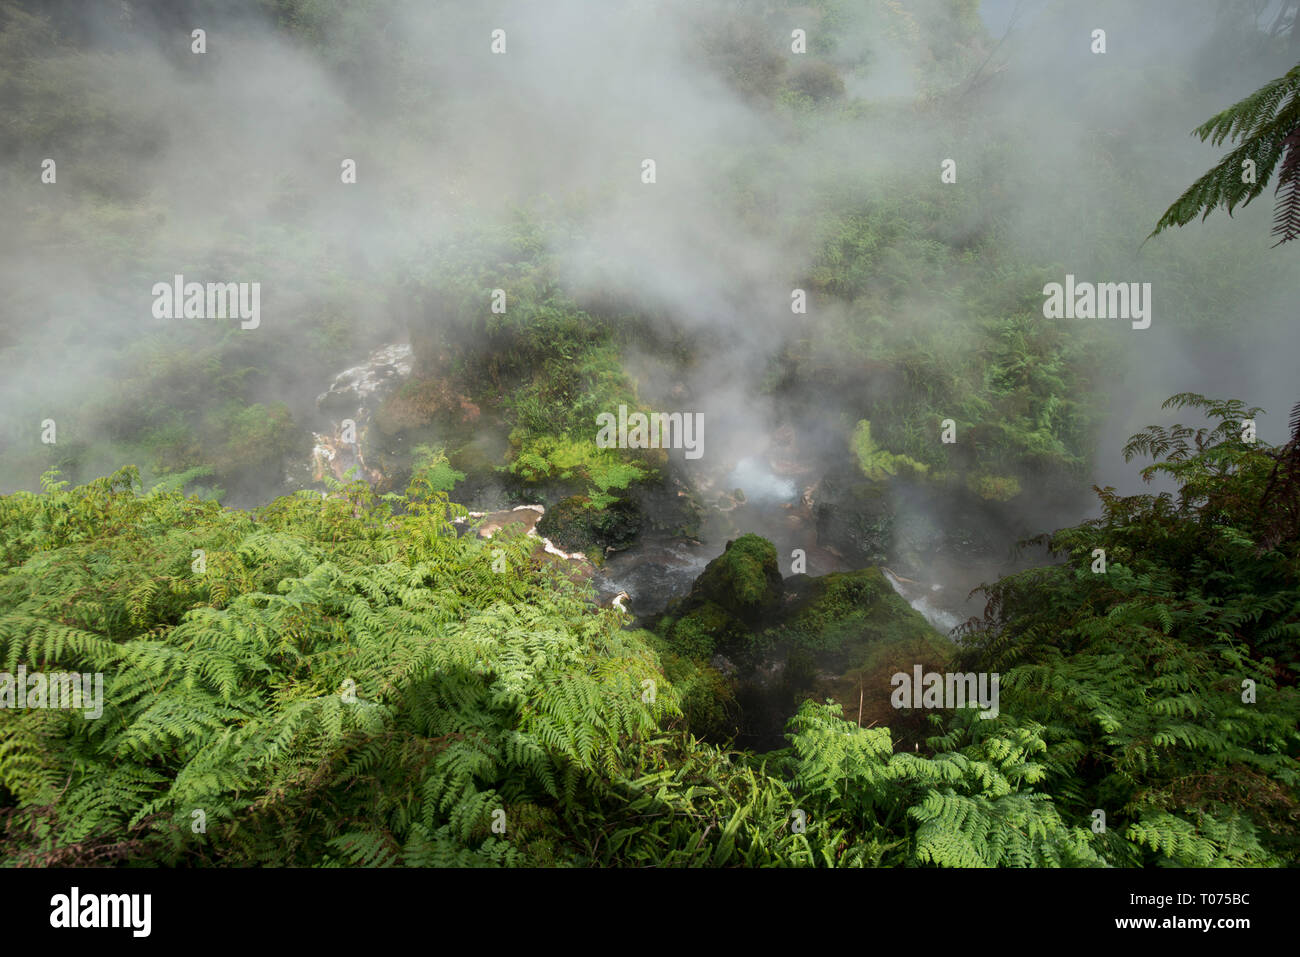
<point x="585" y="92"/>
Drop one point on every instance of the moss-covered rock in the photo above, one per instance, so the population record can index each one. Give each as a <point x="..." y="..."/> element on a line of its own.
<point x="708" y="704"/>
<point x="843" y="636"/>
<point x="857" y="607"/>
<point x="855" y="515"/>
<point x="670" y="506"/>
<point x="704" y="629"/>
<point x="744" y="580"/>
<point x="575" y="525"/>
<point x="421" y="402"/>
<point x="838" y="636"/>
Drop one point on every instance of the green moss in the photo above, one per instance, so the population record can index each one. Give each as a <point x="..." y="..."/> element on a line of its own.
<point x="701" y="630"/>
<point x="744" y="580"/>
<point x="707" y="700"/>
<point x="857" y="607"/>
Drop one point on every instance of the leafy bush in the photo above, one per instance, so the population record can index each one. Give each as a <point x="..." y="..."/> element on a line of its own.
<point x="343" y="684"/>
<point x="1168" y="680"/>
<point x="877" y="463"/>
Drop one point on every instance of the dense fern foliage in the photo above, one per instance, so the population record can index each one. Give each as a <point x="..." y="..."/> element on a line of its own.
<point x="344" y="680"/>
<point x="1167" y="682"/>
<point x="351" y="676"/>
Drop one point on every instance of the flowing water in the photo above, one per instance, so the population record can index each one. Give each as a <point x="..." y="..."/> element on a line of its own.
<point x="656" y="569"/>
<point x="653" y="572"/>
<point x="926" y="600"/>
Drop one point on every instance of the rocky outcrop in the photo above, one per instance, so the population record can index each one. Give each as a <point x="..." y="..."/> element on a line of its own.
<point x="744" y="581"/>
<point x="776" y="642"/>
<point x="574" y="525"/>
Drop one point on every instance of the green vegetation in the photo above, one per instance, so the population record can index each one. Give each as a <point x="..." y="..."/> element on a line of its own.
<point x="877" y="463"/>
<point x="347" y="681"/>
<point x="342" y="677"/>
<point x="850" y="606"/>
<point x="1266" y="126"/>
<point x="577" y="524"/>
<point x="189" y="396"/>
<point x="432" y="472"/>
<point x="564" y="458"/>
<point x="1168" y="683"/>
<point x="744" y="579"/>
<point x="736" y="593"/>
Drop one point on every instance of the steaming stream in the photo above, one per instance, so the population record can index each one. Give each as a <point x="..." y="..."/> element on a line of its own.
<point x="653" y="571"/>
